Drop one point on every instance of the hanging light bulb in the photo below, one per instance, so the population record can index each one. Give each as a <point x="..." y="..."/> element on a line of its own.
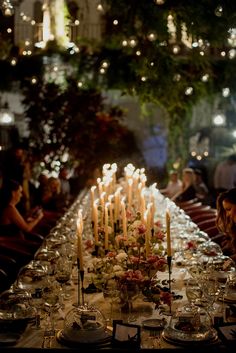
<point x="159" y="2"/>
<point x="7" y="8"/>
<point x="219" y="11"/>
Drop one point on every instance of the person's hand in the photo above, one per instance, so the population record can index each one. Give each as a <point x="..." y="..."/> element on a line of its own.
<point x="40" y="214"/>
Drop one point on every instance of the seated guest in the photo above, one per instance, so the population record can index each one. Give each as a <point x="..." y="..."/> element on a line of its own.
<point x="12" y="223"/>
<point x="226" y="221"/>
<point x="174" y="185"/>
<point x="52" y="198"/>
<point x="188" y="191"/>
<point x="202" y="191"/>
<point x="65" y="184"/>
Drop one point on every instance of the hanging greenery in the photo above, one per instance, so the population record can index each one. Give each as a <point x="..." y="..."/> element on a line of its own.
<point x="74" y="126"/>
<point x="171" y="53"/>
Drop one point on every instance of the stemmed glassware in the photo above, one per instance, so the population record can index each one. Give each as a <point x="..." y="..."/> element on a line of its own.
<point x="111" y="293"/>
<point x="210" y="289"/>
<point x="230" y="287"/>
<point x="63" y="273"/>
<point x="130" y="292"/>
<point x="193" y="293"/>
<point x="51" y="299"/>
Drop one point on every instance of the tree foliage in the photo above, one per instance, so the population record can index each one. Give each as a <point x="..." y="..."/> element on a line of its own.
<point x="77" y="122"/>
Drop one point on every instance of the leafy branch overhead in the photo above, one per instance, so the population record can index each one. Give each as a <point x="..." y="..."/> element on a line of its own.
<point x="171" y="53"/>
<point x="75" y="122"/>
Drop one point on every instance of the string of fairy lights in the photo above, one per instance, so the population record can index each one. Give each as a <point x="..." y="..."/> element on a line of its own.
<point x="132" y="43"/>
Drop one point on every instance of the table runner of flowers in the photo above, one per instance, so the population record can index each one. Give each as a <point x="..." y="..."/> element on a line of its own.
<point x="129" y="242"/>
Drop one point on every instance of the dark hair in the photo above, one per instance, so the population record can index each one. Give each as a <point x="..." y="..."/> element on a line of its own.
<point x="223" y="223"/>
<point x="6" y="192"/>
<point x="198" y="171"/>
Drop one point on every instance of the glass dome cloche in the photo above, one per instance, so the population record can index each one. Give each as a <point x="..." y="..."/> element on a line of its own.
<point x="84" y="324"/>
<point x="190" y="327"/>
<point x="15" y="304"/>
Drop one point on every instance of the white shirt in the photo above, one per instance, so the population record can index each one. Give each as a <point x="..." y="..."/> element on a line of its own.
<point x="173" y="188"/>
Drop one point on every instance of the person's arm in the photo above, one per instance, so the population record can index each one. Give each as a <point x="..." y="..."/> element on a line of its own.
<point x="173" y="198"/>
<point x="16" y="218"/>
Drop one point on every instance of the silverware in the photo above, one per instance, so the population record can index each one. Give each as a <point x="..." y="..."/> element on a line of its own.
<point x="48" y="338"/>
<point x="233" y="333"/>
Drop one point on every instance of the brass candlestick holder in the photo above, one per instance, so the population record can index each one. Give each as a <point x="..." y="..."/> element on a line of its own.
<point x="169" y="263"/>
<point x="80" y="284"/>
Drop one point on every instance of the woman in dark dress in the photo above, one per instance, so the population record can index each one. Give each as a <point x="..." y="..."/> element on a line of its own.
<point x="226" y="221"/>
<point x="188" y="191"/>
<point x="12" y="225"/>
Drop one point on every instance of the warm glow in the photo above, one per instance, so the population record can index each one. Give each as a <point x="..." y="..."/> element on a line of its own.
<point x="6" y="118"/>
<point x="226" y="92"/>
<point x="54" y="22"/>
<point x="219" y="119"/>
<point x="13" y="62"/>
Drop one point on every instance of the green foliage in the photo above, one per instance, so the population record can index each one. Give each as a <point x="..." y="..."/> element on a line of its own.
<point x="161" y="75"/>
<point x="161" y="69"/>
<point x="77" y="122"/>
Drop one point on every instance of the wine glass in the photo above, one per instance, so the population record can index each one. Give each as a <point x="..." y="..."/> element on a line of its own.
<point x="230" y="287"/>
<point x="111" y="293"/>
<point x="211" y="290"/>
<point x="51" y="296"/>
<point x="193" y="293"/>
<point x="130" y="291"/>
<point x="63" y="273"/>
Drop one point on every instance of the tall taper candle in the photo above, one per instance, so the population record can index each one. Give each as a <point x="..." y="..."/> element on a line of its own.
<point x="79" y="247"/>
<point x="92" y="190"/>
<point x="95" y="212"/>
<point x="168" y="237"/>
<point x="124" y="219"/>
<point x="106" y="226"/>
<point x="147" y="233"/>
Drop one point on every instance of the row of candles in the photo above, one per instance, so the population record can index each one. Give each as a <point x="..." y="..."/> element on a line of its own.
<point x="110" y="202"/>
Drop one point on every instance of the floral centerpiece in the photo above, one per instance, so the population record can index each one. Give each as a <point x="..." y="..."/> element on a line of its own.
<point x="126" y="263"/>
<point x="127" y="248"/>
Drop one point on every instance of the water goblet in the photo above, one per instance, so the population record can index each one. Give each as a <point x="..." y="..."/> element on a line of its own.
<point x="111" y="293"/>
<point x="193" y="293"/>
<point x="63" y="272"/>
<point x="51" y="297"/>
<point x="230" y="287"/>
<point x="211" y="290"/>
<point x="130" y="291"/>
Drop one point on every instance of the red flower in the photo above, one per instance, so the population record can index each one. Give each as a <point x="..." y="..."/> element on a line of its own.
<point x="129" y="214"/>
<point x="88" y="244"/>
<point x="158" y="224"/>
<point x="130" y="275"/>
<point x="142" y="229"/>
<point x="111" y="254"/>
<point x="191" y="245"/>
<point x="159" y="235"/>
<point x="166" y="297"/>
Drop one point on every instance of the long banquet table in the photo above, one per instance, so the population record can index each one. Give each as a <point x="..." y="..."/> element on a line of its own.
<point x="32" y="337"/>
